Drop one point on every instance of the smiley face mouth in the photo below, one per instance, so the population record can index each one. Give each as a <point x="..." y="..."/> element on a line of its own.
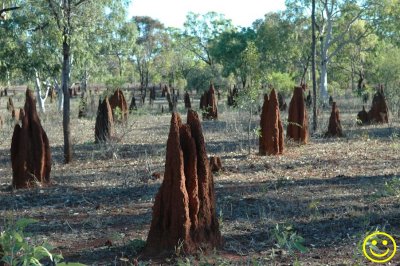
<point x="379" y="255"/>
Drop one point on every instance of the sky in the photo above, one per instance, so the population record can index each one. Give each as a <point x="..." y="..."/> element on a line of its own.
<point x="172" y="13"/>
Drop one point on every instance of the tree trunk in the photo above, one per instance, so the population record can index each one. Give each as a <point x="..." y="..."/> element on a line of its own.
<point x="313" y="70"/>
<point x="85" y="81"/>
<point x="324" y="83"/>
<point x="324" y="75"/>
<point x="249" y="130"/>
<point x="66" y="111"/>
<point x="40" y="101"/>
<point x="8" y="79"/>
<point x="120" y="65"/>
<point x="60" y="95"/>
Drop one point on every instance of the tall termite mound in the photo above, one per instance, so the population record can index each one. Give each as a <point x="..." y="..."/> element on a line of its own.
<point x="104" y="129"/>
<point x="118" y="100"/>
<point x="334" y="127"/>
<point x="30" y="150"/>
<point x="379" y="111"/>
<point x="184" y="208"/>
<point x="208" y="104"/>
<point x="271" y="140"/>
<point x="298" y="121"/>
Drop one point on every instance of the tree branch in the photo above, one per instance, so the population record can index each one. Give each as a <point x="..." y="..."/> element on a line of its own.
<point x="9" y="9"/>
<point x="341" y="45"/>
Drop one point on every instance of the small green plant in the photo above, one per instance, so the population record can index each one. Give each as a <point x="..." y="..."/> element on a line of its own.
<point x="16" y="248"/>
<point x="392" y="187"/>
<point x="257" y="132"/>
<point x="288" y="239"/>
<point x="118" y="113"/>
<point x="179" y="248"/>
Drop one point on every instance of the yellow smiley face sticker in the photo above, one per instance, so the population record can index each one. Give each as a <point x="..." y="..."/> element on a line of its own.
<point x="379" y="247"/>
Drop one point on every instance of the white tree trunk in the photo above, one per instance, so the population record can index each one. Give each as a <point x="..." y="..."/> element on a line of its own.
<point x="8" y="79"/>
<point x="39" y="97"/>
<point x="324" y="82"/>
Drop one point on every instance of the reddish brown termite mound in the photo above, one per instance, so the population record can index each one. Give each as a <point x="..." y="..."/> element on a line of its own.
<point x="30" y="150"/>
<point x="379" y="111"/>
<point x="334" y="127"/>
<point x="271" y="140"/>
<point x="208" y="104"/>
<point x="184" y="209"/>
<point x="104" y="129"/>
<point x="118" y="100"/>
<point x="215" y="164"/>
<point x="362" y="116"/>
<point x="298" y="122"/>
<point x="186" y="98"/>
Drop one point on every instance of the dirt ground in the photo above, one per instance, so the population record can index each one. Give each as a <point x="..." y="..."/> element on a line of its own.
<point x="330" y="192"/>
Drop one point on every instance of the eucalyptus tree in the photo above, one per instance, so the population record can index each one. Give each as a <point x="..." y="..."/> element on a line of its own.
<point x="336" y="22"/>
<point x="73" y="18"/>
<point x="118" y="38"/>
<point x="227" y="48"/>
<point x="200" y="31"/>
<point x="9" y="39"/>
<point x="149" y="43"/>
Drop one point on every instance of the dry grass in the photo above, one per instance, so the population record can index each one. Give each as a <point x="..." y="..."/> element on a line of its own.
<point x="331" y="191"/>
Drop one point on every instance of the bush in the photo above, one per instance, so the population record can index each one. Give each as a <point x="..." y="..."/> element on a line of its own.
<point x="282" y="82"/>
<point x="16" y="248"/>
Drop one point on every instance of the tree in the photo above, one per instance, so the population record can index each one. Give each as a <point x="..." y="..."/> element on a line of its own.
<point x="313" y="67"/>
<point x="71" y="18"/>
<point x="199" y="32"/>
<point x="149" y="43"/>
<point x="335" y="28"/>
<point x="248" y="96"/>
<point x="227" y="48"/>
<point x="119" y="37"/>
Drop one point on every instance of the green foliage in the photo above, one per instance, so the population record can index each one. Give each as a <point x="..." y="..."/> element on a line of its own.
<point x="115" y="82"/>
<point x="248" y="96"/>
<point x="117" y="113"/>
<point x="18" y="249"/>
<point x="200" y="79"/>
<point x="283" y="82"/>
<point x="287" y="238"/>
<point x="386" y="70"/>
<point x="392" y="186"/>
<point x="226" y="50"/>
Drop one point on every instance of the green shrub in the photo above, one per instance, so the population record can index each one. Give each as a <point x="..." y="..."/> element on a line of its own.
<point x="16" y="248"/>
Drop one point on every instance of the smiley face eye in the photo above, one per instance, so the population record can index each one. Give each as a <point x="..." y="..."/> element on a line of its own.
<point x="384" y="242"/>
<point x="374" y="242"/>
